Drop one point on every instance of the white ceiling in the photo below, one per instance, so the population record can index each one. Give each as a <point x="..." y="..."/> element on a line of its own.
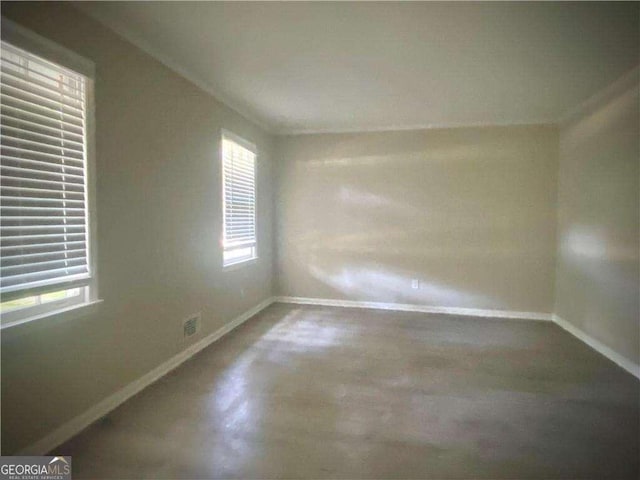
<point x="310" y="67"/>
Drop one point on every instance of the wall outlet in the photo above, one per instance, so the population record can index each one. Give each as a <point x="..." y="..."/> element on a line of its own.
<point x="191" y="325"/>
<point x="415" y="284"/>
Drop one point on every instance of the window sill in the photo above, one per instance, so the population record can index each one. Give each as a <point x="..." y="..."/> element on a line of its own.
<point x="37" y="322"/>
<point x="240" y="264"/>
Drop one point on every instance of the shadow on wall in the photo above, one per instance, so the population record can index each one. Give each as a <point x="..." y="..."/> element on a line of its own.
<point x="468" y="214"/>
<point x="598" y="275"/>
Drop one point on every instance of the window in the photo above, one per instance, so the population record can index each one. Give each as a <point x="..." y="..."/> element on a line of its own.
<point x="239" y="200"/>
<point x="45" y="254"/>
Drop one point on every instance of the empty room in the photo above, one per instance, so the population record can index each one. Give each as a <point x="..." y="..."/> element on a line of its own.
<point x="312" y="240"/>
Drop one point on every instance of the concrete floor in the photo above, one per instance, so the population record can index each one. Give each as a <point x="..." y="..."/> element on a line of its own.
<point x="315" y="392"/>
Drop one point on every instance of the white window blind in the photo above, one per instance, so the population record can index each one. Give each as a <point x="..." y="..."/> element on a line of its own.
<point x="239" y="201"/>
<point x="43" y="183"/>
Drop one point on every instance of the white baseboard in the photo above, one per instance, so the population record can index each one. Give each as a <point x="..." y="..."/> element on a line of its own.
<point x="405" y="307"/>
<point x="82" y="421"/>
<point x="628" y="365"/>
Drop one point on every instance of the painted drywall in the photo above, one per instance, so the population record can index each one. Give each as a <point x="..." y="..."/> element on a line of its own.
<point x="598" y="280"/>
<point x="468" y="212"/>
<point x="159" y="225"/>
<point x="352" y="66"/>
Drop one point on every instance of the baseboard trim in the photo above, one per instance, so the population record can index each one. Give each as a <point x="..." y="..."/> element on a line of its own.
<point x="598" y="346"/>
<point x="405" y="307"/>
<point x="82" y="421"/>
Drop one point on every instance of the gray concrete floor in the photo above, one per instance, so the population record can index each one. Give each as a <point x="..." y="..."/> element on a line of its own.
<point x="320" y="392"/>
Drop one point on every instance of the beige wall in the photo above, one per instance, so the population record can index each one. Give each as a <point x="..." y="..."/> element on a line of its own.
<point x="159" y="223"/>
<point x="470" y="212"/>
<point x="598" y="219"/>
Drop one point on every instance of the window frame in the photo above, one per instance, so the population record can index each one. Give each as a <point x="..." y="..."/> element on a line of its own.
<point x="37" y="45"/>
<point x="226" y="134"/>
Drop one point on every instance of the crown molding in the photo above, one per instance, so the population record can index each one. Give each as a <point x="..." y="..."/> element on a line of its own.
<point x="603" y="95"/>
<point x="273" y="128"/>
<point x="427" y="126"/>
<point x="134" y="38"/>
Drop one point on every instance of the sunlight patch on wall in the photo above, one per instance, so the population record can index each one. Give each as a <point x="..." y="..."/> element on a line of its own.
<point x="373" y="282"/>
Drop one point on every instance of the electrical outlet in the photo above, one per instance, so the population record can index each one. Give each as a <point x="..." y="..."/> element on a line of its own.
<point x="415" y="284"/>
